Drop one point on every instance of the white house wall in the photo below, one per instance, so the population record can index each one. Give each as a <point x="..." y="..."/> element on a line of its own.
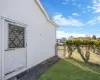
<point x="0" y="50"/>
<point x="0" y="42"/>
<point x="41" y="38"/>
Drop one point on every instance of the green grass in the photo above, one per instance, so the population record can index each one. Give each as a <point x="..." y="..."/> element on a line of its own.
<point x="72" y="70"/>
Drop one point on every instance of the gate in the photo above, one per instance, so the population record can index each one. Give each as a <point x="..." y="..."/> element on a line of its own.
<point x="61" y="50"/>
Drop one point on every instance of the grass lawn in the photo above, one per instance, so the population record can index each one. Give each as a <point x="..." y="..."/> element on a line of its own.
<point x="68" y="69"/>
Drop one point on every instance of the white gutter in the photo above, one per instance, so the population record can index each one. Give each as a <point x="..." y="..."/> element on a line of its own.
<point x="45" y="13"/>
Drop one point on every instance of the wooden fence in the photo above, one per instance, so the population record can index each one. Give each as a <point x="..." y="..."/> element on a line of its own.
<point x="60" y="50"/>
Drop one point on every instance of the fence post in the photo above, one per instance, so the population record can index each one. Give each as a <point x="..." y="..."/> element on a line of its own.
<point x="56" y="49"/>
<point x="64" y="50"/>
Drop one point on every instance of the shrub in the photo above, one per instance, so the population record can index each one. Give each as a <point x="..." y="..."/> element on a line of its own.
<point x="79" y="44"/>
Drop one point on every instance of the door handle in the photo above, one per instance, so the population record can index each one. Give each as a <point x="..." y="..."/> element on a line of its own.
<point x="9" y="49"/>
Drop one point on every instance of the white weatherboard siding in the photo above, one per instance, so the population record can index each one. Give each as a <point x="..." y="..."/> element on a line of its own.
<point x="0" y="50"/>
<point x="41" y="37"/>
<point x="0" y="43"/>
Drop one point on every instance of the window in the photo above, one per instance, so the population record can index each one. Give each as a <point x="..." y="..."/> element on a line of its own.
<point x="16" y="36"/>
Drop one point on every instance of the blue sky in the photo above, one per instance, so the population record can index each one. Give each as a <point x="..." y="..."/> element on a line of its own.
<point x="75" y="17"/>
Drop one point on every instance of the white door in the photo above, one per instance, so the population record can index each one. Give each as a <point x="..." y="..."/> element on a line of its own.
<point x="15" y="47"/>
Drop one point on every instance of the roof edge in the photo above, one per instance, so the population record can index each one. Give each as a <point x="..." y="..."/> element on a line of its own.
<point x="45" y="13"/>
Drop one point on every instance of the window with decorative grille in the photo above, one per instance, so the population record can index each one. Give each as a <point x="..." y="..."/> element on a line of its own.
<point x="16" y="36"/>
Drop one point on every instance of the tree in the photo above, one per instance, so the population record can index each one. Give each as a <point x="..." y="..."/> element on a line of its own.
<point x="94" y="37"/>
<point x="63" y="39"/>
<point x="70" y="38"/>
<point x="79" y="45"/>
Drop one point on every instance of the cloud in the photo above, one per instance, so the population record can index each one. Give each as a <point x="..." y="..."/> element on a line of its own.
<point x="96" y="6"/>
<point x="79" y="5"/>
<point x="83" y="11"/>
<point x="63" y="21"/>
<point x="75" y="14"/>
<point x="98" y="18"/>
<point x="61" y="34"/>
<point x="91" y="22"/>
<point x="89" y="7"/>
<point x="74" y="3"/>
<point x="98" y="30"/>
<point x="65" y="2"/>
<point x="89" y="10"/>
<point x="69" y="21"/>
<point x="94" y="21"/>
<point x="80" y="28"/>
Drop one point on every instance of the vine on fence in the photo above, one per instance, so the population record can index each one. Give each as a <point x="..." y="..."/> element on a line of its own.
<point x="80" y="44"/>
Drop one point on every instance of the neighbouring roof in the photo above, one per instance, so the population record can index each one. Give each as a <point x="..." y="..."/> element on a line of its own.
<point x="45" y="13"/>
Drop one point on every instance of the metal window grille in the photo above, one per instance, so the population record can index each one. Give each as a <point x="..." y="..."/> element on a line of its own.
<point x="16" y="36"/>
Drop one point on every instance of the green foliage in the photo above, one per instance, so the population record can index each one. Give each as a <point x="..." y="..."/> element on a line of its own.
<point x="88" y="44"/>
<point x="94" y="37"/>
<point x="97" y="44"/>
<point x="80" y="42"/>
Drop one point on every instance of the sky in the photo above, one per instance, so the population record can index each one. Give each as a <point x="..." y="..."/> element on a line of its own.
<point x="77" y="18"/>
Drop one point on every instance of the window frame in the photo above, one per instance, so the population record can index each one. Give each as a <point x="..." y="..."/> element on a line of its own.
<point x="16" y="24"/>
<point x="16" y="37"/>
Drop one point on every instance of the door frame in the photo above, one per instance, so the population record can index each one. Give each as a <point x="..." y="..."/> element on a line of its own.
<point x="3" y="21"/>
